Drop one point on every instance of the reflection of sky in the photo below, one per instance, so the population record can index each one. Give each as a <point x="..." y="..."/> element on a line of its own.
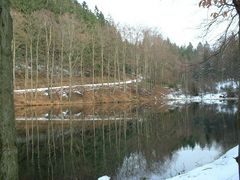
<point x="185" y="159"/>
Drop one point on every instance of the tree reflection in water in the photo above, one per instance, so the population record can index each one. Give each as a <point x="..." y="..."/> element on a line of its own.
<point x="79" y="145"/>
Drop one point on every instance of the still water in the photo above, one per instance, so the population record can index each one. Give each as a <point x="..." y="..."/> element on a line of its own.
<point x="125" y="142"/>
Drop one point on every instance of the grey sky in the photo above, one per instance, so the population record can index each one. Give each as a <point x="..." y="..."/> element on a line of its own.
<point x="178" y="20"/>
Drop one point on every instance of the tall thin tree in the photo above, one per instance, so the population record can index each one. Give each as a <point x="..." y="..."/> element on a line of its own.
<point x="8" y="150"/>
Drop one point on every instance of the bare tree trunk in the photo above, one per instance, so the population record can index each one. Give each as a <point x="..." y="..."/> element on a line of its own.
<point x="52" y="67"/>
<point x="137" y="72"/>
<point x="118" y="67"/>
<point x="37" y="58"/>
<point x="26" y="71"/>
<point x="48" y="44"/>
<point x="71" y="36"/>
<point x="124" y="66"/>
<point x="145" y="65"/>
<point x="108" y="69"/>
<point x="93" y="65"/>
<point x="61" y="78"/>
<point x="102" y="56"/>
<point x="8" y="150"/>
<point x="81" y="59"/>
<point x="115" y="67"/>
<point x="14" y="62"/>
<point x="31" y="68"/>
<point x="162" y="74"/>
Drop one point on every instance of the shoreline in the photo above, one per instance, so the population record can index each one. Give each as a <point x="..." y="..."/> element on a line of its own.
<point x="225" y="167"/>
<point x="91" y="97"/>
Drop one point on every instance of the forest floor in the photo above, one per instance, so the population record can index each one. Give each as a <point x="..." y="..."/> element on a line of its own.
<point x="99" y="96"/>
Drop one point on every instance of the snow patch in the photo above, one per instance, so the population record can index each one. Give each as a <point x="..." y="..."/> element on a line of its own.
<point x="208" y="98"/>
<point x="226" y="84"/>
<point x="178" y="97"/>
<point x="223" y="168"/>
<point x="78" y="92"/>
<point x="104" y="178"/>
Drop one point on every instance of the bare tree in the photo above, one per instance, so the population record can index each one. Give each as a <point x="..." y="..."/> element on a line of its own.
<point x="14" y="61"/>
<point x="48" y="36"/>
<point x="37" y="65"/>
<point x="26" y="70"/>
<point x="102" y="44"/>
<point x="61" y="66"/>
<point x="70" y="56"/>
<point x="93" y="63"/>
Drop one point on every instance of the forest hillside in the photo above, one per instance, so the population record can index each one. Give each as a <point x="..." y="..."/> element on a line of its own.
<point x="64" y="43"/>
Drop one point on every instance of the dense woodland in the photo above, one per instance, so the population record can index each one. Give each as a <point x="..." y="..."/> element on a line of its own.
<point x="62" y="42"/>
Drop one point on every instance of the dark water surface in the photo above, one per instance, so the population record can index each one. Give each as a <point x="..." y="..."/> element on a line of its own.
<point x="136" y="143"/>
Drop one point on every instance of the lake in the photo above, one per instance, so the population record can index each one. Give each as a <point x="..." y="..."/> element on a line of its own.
<point x="122" y="141"/>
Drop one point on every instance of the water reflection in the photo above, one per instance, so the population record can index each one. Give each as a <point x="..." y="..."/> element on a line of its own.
<point x="136" y="142"/>
<point x="185" y="159"/>
<point x="136" y="167"/>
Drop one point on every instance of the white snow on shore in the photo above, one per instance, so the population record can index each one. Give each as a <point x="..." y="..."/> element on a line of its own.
<point x="104" y="178"/>
<point x="220" y="97"/>
<point x="224" y="168"/>
<point x="176" y="99"/>
<point x="226" y="84"/>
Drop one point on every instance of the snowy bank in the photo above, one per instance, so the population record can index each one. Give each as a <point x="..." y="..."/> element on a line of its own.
<point x="178" y="99"/>
<point x="207" y="98"/>
<point x="219" y="86"/>
<point x="219" y="96"/>
<point x="224" y="168"/>
<point x="104" y="178"/>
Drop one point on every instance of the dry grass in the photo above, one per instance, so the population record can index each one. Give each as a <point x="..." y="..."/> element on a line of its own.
<point x="101" y="96"/>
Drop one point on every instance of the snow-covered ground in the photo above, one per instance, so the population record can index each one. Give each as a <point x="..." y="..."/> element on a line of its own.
<point x="104" y="178"/>
<point x="226" y="84"/>
<point x="224" y="168"/>
<point x="178" y="99"/>
<point x="219" y="97"/>
<point x="206" y="98"/>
